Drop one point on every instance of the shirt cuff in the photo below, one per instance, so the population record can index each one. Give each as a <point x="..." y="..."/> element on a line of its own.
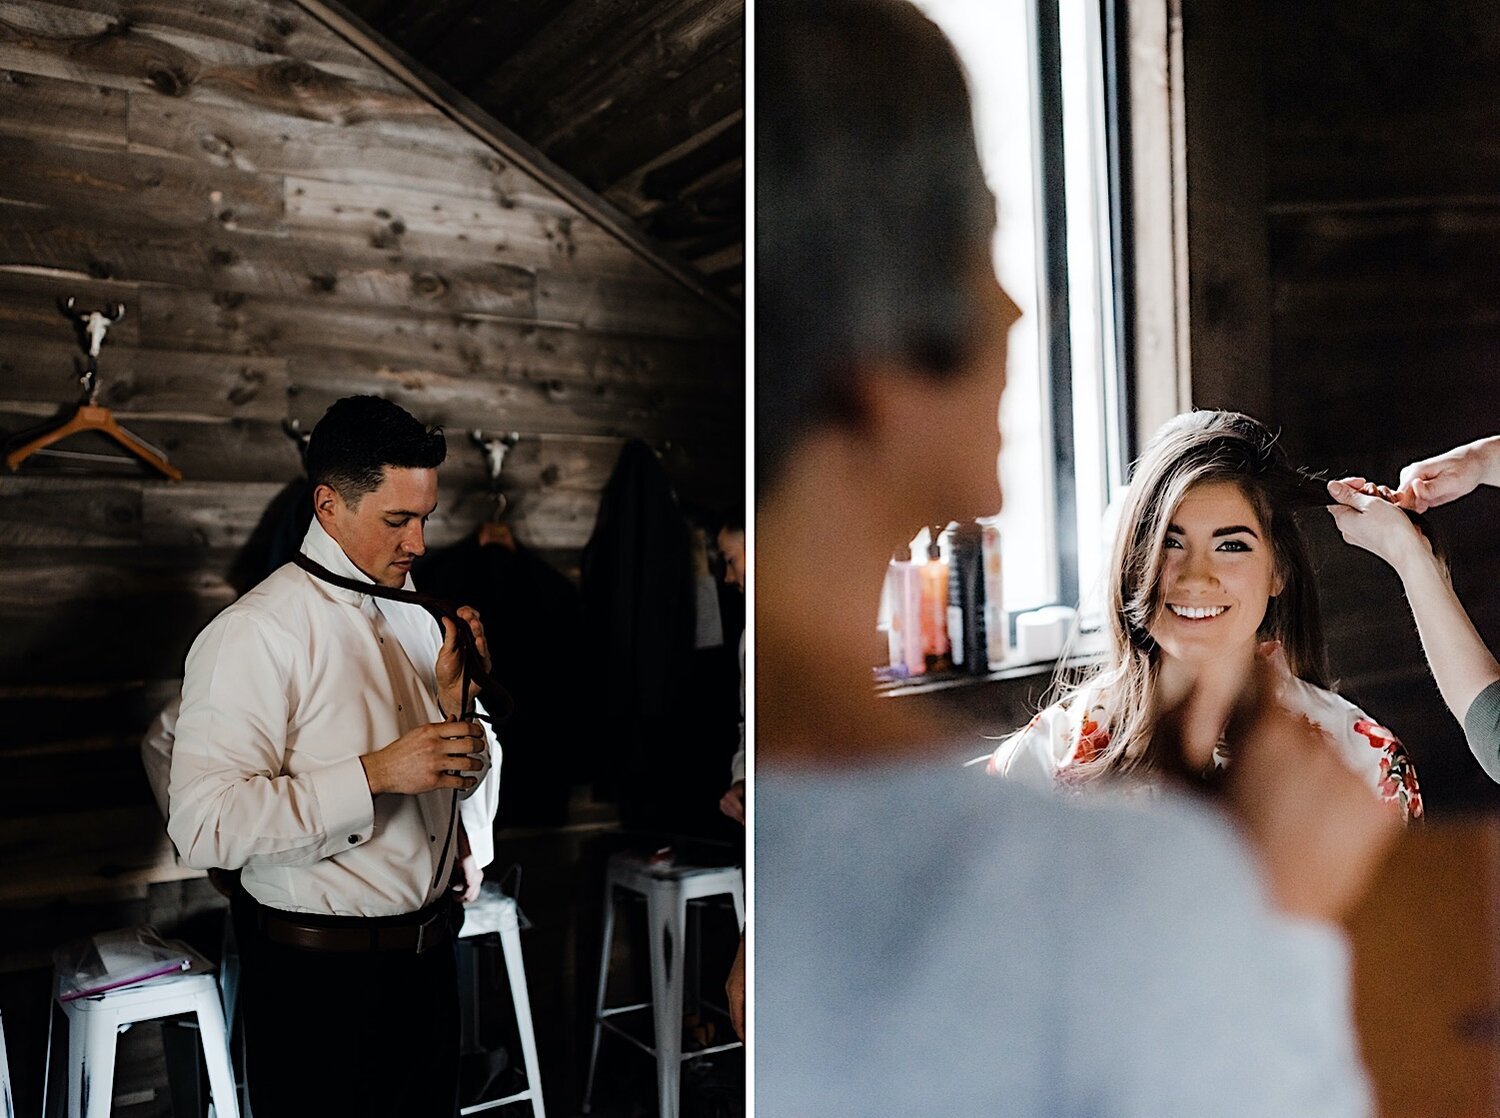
<point x="1482" y="729"/>
<point x="344" y="801"/>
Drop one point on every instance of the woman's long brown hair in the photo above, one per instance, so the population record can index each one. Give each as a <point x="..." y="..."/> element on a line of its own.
<point x="1191" y="449"/>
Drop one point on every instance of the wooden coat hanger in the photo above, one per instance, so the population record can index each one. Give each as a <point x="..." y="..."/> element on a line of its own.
<point x="89" y="415"/>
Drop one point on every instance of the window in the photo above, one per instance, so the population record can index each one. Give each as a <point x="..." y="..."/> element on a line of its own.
<point x="1055" y="172"/>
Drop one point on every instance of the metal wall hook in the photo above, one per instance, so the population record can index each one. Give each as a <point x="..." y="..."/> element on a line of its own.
<point x="292" y="428"/>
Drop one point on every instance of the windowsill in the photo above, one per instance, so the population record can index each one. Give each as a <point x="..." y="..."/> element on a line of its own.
<point x="946" y="681"/>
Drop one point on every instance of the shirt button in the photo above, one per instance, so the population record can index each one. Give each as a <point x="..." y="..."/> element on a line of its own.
<point x="433" y="837"/>
<point x="399" y="707"/>
<point x="353" y="839"/>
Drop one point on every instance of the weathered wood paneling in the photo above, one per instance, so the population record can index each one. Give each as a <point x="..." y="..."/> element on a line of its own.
<point x="1229" y="289"/>
<point x="603" y="88"/>
<point x="286" y="223"/>
<point x="66" y="112"/>
<point x="1383" y="220"/>
<point x="85" y="852"/>
<point x="373" y="152"/>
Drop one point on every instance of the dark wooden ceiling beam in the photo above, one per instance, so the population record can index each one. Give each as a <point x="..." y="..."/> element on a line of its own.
<point x="488" y="36"/>
<point x="563" y="104"/>
<point x="479" y="123"/>
<point x="658" y="120"/>
<point x="579" y="28"/>
<point x="417" y="26"/>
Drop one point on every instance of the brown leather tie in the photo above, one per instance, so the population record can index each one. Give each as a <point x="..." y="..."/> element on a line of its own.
<point x="497" y="700"/>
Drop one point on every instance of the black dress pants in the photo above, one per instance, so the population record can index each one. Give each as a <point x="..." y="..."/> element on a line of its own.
<point x="330" y="1033"/>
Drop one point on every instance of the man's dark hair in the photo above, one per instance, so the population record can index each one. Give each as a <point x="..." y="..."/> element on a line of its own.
<point x="871" y="212"/>
<point x="734" y="519"/>
<point x="359" y="436"/>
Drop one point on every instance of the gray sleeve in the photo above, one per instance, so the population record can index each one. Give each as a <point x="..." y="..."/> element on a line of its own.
<point x="1482" y="728"/>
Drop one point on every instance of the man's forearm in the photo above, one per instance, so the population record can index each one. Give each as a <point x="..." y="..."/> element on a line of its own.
<point x="1489" y="450"/>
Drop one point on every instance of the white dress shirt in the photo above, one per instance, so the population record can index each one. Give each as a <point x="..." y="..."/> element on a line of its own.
<point x="282" y="694"/>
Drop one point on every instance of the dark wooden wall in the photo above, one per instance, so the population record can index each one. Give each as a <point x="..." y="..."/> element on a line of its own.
<point x="286" y="224"/>
<point x="1346" y="222"/>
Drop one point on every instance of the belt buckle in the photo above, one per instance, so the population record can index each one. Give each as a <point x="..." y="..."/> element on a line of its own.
<point x="430" y="922"/>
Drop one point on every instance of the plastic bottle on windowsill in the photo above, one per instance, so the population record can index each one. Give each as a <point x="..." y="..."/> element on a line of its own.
<point x="996" y="629"/>
<point x="912" y="649"/>
<point x="966" y="632"/>
<point x="890" y="623"/>
<point x="934" y="589"/>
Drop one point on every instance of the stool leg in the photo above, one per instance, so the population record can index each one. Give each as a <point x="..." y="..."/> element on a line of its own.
<point x="7" y="1096"/>
<point x="510" y="942"/>
<point x="91" y="1052"/>
<point x="666" y="913"/>
<point x="49" y="1076"/>
<point x="468" y="997"/>
<point x="609" y="933"/>
<point x="229" y="970"/>
<point x="216" y="1054"/>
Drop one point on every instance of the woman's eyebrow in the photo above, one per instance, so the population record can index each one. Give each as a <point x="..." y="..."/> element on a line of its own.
<point x="1231" y="530"/>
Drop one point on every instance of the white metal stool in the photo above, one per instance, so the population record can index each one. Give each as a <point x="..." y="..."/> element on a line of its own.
<point x="95" y="1022"/>
<point x="7" y="1096"/>
<point x="495" y="912"/>
<point x="667" y="888"/>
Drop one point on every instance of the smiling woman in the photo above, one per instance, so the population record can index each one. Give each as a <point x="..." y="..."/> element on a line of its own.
<point x="1209" y="571"/>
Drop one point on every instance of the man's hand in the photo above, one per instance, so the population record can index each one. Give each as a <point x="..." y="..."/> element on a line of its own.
<point x="450" y="662"/>
<point x="437" y="755"/>
<point x="1319" y="830"/>
<point x="1436" y="481"/>
<point x="732" y="803"/>
<point x="468" y="892"/>
<point x="1375" y="523"/>
<point x="734" y="988"/>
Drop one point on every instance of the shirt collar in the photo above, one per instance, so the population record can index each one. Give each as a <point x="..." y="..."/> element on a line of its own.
<point x="323" y="549"/>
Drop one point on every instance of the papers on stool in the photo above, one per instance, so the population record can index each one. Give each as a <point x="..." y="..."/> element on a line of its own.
<point x="122" y="957"/>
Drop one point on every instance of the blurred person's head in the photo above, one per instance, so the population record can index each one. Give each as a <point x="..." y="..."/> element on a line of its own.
<point x="1208" y="561"/>
<point x="731" y="542"/>
<point x="880" y="324"/>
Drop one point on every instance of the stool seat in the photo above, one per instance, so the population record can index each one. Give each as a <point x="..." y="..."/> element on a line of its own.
<point x="494" y="912"/>
<point x="94" y="1023"/>
<point x="667" y="888"/>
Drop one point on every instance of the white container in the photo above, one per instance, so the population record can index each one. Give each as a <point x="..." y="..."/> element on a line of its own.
<point x="1042" y="634"/>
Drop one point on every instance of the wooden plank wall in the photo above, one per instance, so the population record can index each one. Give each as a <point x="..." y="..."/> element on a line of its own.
<point x="285" y="224"/>
<point x="1383" y="209"/>
<point x="1359" y="148"/>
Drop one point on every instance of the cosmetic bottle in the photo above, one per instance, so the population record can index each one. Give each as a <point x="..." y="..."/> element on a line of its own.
<point x="934" y="578"/>
<point x="890" y="621"/>
<point x="996" y="626"/>
<point x="911" y="617"/>
<point x="966" y="629"/>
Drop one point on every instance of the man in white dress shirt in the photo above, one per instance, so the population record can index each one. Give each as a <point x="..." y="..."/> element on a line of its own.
<point x="319" y="750"/>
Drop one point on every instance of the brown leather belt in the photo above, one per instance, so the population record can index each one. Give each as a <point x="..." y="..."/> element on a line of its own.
<point x="433" y="926"/>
